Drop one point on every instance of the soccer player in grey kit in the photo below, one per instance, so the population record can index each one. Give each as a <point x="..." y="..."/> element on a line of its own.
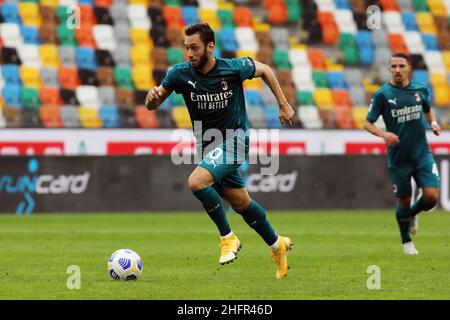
<point x="214" y="95"/>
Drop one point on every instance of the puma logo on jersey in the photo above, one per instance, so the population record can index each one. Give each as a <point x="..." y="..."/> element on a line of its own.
<point x="192" y="83"/>
<point x="393" y="101"/>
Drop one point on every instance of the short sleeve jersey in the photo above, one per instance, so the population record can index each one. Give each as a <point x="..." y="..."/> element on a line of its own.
<point x="402" y="111"/>
<point x="216" y="98"/>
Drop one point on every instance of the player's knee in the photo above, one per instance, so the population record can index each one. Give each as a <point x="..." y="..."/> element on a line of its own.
<point x="197" y="183"/>
<point x="431" y="200"/>
<point x="240" y="205"/>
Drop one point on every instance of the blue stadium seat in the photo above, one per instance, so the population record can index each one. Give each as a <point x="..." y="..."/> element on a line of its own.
<point x="271" y="115"/>
<point x="190" y="14"/>
<point x="228" y="40"/>
<point x="409" y="20"/>
<point x="431" y="43"/>
<point x="86" y="2"/>
<point x="10" y="12"/>
<point x="366" y="56"/>
<point x="342" y="4"/>
<point x="86" y="58"/>
<point x="364" y="39"/>
<point x="11" y="95"/>
<point x="109" y="115"/>
<point x="30" y="35"/>
<point x="10" y="73"/>
<point x="254" y="98"/>
<point x="420" y="75"/>
<point x="336" y="80"/>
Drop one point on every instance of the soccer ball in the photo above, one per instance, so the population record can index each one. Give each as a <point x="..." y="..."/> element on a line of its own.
<point x="125" y="264"/>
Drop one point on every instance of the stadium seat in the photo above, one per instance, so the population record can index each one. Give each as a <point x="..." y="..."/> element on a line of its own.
<point x="181" y="117"/>
<point x="142" y="78"/>
<point x="30" y="97"/>
<point x="84" y="36"/>
<point x="30" y="118"/>
<point x="145" y="118"/>
<point x="10" y="34"/>
<point x="242" y="16"/>
<point x="109" y="116"/>
<point x="70" y="116"/>
<point x="125" y="98"/>
<point x="86" y="58"/>
<point x="68" y="77"/>
<point x="10" y="12"/>
<point x="359" y="114"/>
<point x="89" y="117"/>
<point x="49" y="55"/>
<point x="323" y="98"/>
<point x="137" y="15"/>
<point x="104" y="37"/>
<point x="11" y="74"/>
<point x="88" y="77"/>
<point x="11" y="95"/>
<point x="49" y="77"/>
<point x="309" y="117"/>
<point x="65" y="35"/>
<point x="47" y="33"/>
<point x="30" y="76"/>
<point x="30" y="35"/>
<point x="88" y="96"/>
<point x="50" y="96"/>
<point x="50" y="116"/>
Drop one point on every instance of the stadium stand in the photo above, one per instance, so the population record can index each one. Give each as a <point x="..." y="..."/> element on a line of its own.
<point x="55" y="74"/>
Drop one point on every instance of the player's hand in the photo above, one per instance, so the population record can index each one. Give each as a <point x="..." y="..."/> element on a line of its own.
<point x="436" y="128"/>
<point x="286" y="114"/>
<point x="152" y="100"/>
<point x="391" y="139"/>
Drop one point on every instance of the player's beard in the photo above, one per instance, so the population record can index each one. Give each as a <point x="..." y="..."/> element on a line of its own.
<point x="202" y="60"/>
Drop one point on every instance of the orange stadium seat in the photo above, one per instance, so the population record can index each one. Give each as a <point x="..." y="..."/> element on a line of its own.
<point x="145" y="118"/>
<point x="173" y="17"/>
<point x="50" y="116"/>
<point x="50" y="96"/>
<point x="68" y="77"/>
<point x="85" y="36"/>
<point x="243" y="16"/>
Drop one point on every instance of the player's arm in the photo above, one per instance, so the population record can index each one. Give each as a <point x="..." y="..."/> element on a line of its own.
<point x="431" y="118"/>
<point x="155" y="97"/>
<point x="390" y="138"/>
<point x="375" y="110"/>
<point x="265" y="72"/>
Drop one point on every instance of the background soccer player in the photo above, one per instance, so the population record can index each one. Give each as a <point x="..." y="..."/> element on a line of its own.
<point x="403" y="104"/>
<point x="213" y="92"/>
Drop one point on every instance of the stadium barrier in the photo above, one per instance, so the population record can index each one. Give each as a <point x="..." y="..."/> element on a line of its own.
<point x="154" y="183"/>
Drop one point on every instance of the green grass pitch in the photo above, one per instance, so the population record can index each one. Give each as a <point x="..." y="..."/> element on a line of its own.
<point x="180" y="253"/>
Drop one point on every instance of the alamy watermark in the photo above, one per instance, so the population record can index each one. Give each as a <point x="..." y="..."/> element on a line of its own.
<point x="73" y="20"/>
<point x="374" y="280"/>
<point x="74" y="280"/>
<point x="215" y="147"/>
<point x="373" y="15"/>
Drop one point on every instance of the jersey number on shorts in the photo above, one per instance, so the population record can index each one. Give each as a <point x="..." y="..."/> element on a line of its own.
<point x="435" y="170"/>
<point x="215" y="154"/>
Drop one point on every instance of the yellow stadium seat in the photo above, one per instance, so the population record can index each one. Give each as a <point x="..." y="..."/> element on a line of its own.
<point x="261" y="27"/>
<point x="438" y="78"/>
<point x="255" y="83"/>
<point x="49" y="55"/>
<point x="245" y="53"/>
<point x="441" y="95"/>
<point x="359" y="114"/>
<point x="425" y="22"/>
<point x="142" y="77"/>
<point x="49" y="3"/>
<point x="89" y="117"/>
<point x="29" y="12"/>
<point x="140" y="55"/>
<point x="323" y="98"/>
<point x="144" y="2"/>
<point x="140" y="37"/>
<point x="30" y="77"/>
<point x="209" y="16"/>
<point x="181" y="117"/>
<point x="225" y="5"/>
<point x="437" y="7"/>
<point x="446" y="59"/>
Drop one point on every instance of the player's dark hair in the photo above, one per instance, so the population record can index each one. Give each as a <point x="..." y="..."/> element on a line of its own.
<point x="402" y="55"/>
<point x="204" y="30"/>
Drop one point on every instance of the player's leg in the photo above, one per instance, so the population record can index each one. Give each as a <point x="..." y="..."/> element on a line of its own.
<point x="401" y="180"/>
<point x="205" y="184"/>
<point x="200" y="183"/>
<point x="427" y="178"/>
<point x="255" y="216"/>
